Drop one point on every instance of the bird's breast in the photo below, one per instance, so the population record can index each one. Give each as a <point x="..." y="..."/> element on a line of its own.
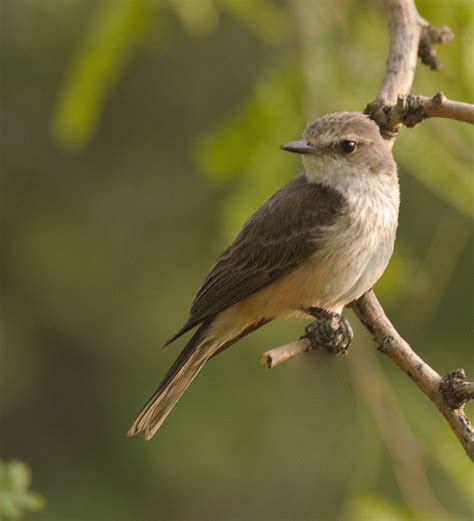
<point x="360" y="245"/>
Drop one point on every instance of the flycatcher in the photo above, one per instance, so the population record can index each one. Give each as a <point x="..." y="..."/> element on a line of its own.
<point x="318" y="243"/>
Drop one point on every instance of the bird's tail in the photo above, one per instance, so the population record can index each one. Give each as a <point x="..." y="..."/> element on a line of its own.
<point x="182" y="373"/>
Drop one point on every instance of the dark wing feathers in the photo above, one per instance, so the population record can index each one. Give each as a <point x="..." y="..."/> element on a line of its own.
<point x="281" y="234"/>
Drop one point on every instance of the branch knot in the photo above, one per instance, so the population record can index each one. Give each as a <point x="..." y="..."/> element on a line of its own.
<point x="455" y="390"/>
<point x="387" y="344"/>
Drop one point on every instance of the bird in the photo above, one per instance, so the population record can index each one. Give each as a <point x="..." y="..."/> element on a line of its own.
<point x="318" y="243"/>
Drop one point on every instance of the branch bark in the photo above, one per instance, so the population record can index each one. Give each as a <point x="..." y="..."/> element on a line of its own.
<point x="444" y="392"/>
<point x="410" y="36"/>
<point x="411" y="110"/>
<point x="278" y="355"/>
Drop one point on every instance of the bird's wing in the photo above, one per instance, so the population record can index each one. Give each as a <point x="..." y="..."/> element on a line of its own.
<point x="282" y="233"/>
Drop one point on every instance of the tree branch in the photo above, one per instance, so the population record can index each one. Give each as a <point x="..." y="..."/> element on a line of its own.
<point x="411" y="110"/>
<point x="410" y="36"/>
<point x="444" y="392"/>
<point x="455" y="390"/>
<point x="278" y="355"/>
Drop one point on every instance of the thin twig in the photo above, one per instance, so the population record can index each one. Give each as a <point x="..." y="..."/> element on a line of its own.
<point x="464" y="392"/>
<point x="410" y="36"/>
<point x="411" y="110"/>
<point x="278" y="355"/>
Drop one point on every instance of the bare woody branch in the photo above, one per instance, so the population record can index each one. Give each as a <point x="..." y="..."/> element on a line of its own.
<point x="444" y="392"/>
<point x="411" y="110"/>
<point x="278" y="355"/>
<point x="405" y="26"/>
<point x="410" y="36"/>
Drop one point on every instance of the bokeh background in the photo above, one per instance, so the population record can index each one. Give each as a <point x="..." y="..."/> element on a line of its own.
<point x="137" y="136"/>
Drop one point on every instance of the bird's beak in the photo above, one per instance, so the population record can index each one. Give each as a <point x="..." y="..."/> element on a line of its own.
<point x="299" y="147"/>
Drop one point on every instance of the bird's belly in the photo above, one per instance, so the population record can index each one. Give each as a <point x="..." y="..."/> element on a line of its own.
<point x="283" y="298"/>
<point x="353" y="266"/>
<point x="336" y="275"/>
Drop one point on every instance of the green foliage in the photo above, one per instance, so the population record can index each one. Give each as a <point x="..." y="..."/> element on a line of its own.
<point x="15" y="496"/>
<point x="118" y="27"/>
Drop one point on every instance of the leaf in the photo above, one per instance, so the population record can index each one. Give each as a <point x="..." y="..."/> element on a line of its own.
<point x="9" y="507"/>
<point x="117" y="29"/>
<point x="15" y="498"/>
<point x="19" y="475"/>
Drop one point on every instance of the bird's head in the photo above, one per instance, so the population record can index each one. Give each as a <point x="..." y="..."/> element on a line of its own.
<point x="342" y="149"/>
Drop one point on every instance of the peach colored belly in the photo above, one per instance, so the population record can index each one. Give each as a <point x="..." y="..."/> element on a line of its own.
<point x="280" y="299"/>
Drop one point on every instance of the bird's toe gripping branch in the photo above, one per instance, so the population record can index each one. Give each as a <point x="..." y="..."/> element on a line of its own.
<point x="330" y="331"/>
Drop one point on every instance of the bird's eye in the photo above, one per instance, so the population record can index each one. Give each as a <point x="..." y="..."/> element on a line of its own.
<point x="347" y="146"/>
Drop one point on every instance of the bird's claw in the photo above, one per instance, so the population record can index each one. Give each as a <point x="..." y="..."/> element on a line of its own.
<point x="330" y="331"/>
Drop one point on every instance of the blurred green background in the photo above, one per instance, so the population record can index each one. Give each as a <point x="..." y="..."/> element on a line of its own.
<point x="137" y="136"/>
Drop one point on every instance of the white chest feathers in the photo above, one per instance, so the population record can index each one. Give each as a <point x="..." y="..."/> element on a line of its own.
<point x="361" y="243"/>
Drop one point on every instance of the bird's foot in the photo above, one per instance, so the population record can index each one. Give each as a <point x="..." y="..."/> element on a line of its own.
<point x="330" y="331"/>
